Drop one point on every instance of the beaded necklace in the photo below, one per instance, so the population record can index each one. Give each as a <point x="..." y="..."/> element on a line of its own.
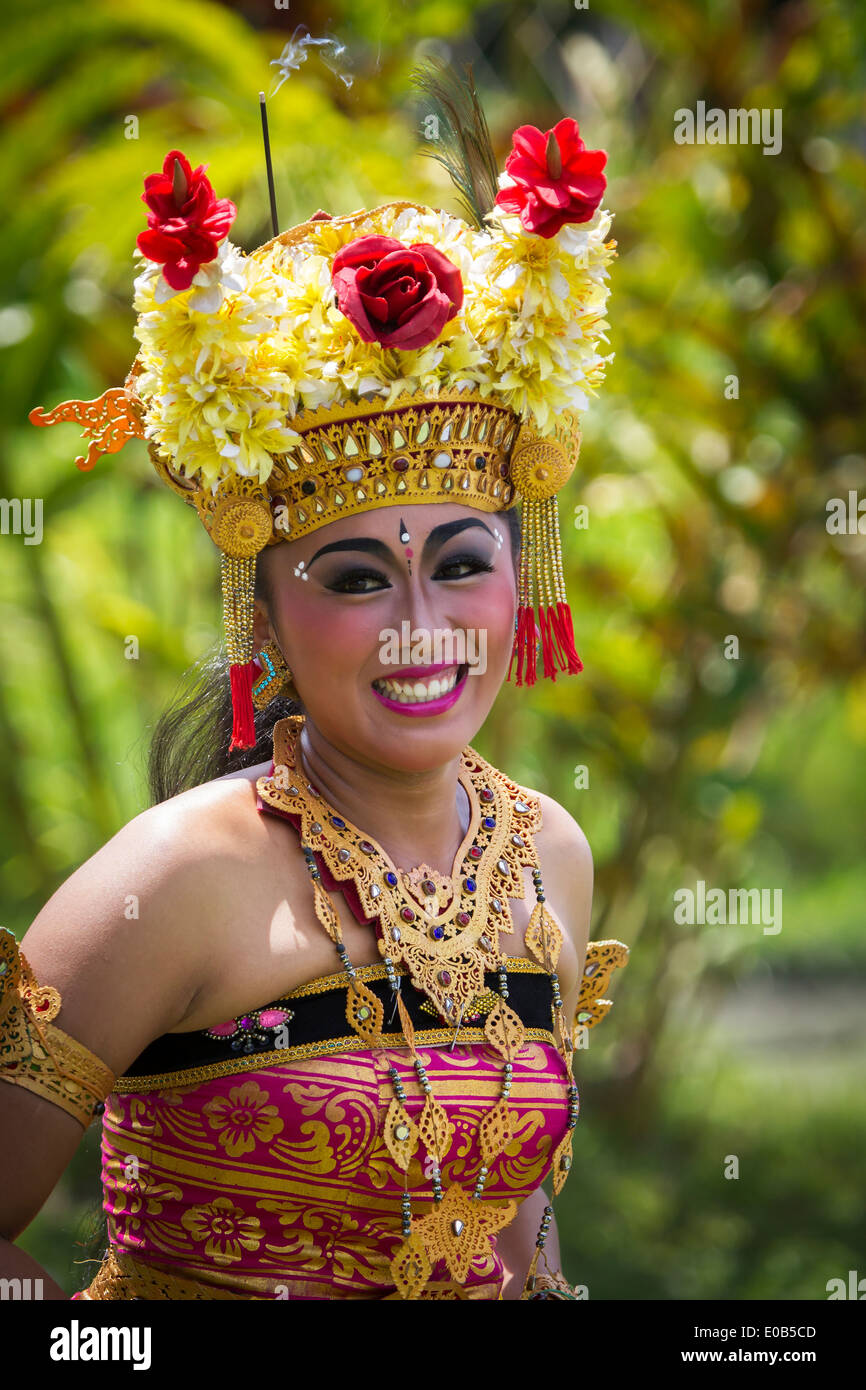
<point x="423" y="920"/>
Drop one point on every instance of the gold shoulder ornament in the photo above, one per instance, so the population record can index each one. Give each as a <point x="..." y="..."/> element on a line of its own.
<point x="34" y="1052"/>
<point x="602" y="959"/>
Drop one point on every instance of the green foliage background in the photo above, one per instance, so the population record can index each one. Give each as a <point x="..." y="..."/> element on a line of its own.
<point x="706" y="520"/>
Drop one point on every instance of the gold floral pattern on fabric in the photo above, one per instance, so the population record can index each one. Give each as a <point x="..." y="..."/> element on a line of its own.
<point x="122" y="1277"/>
<point x="243" y="1118"/>
<point x="225" y="1228"/>
<point x="272" y="1175"/>
<point x="312" y="1209"/>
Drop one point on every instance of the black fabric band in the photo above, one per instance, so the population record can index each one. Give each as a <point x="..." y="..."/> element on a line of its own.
<point x="321" y="1016"/>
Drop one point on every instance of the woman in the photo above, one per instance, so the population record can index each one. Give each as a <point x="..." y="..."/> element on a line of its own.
<point x="328" y="1030"/>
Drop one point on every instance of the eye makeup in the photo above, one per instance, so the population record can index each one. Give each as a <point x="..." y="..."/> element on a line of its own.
<point x="342" y="580"/>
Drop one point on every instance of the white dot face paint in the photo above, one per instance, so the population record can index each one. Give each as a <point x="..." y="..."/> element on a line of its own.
<point x="497" y="533"/>
<point x="299" y="570"/>
<point x="404" y="540"/>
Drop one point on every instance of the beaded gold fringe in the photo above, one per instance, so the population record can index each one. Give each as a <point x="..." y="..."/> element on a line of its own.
<point x="238" y="580"/>
<point x="540" y="569"/>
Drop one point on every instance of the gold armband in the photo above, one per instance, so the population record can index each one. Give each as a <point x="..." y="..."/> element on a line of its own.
<point x="553" y="1285"/>
<point x="34" y="1052"/>
<point x="602" y="958"/>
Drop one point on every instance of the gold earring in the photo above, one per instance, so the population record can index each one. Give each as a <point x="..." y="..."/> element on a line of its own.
<point x="276" y="678"/>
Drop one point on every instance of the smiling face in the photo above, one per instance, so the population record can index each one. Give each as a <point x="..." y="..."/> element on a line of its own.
<point x="397" y="625"/>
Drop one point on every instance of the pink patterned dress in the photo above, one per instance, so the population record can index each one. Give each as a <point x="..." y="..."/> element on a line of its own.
<point x="247" y="1160"/>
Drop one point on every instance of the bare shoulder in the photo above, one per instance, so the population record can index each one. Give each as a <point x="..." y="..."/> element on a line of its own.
<point x="567" y="857"/>
<point x="122" y="938"/>
<point x="250" y="774"/>
<point x="563" y="836"/>
<point x="562" y="847"/>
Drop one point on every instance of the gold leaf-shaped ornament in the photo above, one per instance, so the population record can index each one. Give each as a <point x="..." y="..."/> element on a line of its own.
<point x="410" y="1267"/>
<point x="435" y="1128"/>
<point x="495" y="1131"/>
<point x="504" y="1030"/>
<point x="364" y="1013"/>
<point x="401" y="1134"/>
<point x="543" y="937"/>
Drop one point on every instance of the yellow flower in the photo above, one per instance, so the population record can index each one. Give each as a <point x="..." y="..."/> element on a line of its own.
<point x="226" y="1229"/>
<point x="243" y="1118"/>
<point x="221" y="388"/>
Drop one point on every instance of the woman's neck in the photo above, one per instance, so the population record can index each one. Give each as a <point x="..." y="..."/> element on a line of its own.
<point x="417" y="817"/>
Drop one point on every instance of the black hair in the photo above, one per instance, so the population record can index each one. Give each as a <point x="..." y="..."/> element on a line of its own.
<point x="191" y="738"/>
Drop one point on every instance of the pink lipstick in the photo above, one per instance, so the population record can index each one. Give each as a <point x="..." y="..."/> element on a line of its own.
<point x="426" y="707"/>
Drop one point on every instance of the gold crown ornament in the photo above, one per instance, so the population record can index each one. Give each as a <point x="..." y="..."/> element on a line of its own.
<point x="397" y="355"/>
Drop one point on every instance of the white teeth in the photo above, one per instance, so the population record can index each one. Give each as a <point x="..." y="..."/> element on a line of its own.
<point x="417" y="692"/>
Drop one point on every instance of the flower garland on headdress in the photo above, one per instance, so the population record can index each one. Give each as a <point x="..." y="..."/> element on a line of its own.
<point x="401" y="303"/>
<point x="230" y="356"/>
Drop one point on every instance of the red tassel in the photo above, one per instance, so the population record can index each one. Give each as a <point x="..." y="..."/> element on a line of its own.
<point x="558" y="642"/>
<point x="548" y="652"/>
<point x="243" y="719"/>
<point x="565" y="633"/>
<point x="530" y="645"/>
<point x="524" y="646"/>
<point x="517" y="649"/>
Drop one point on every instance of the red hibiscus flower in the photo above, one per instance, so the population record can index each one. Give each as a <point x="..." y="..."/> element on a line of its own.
<point x="556" y="178"/>
<point x="400" y="296"/>
<point x="185" y="222"/>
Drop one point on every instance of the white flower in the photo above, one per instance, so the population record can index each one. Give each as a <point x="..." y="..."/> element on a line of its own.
<point x="258" y="339"/>
<point x="163" y="291"/>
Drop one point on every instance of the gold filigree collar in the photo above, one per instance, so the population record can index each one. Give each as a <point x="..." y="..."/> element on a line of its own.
<point x="445" y="930"/>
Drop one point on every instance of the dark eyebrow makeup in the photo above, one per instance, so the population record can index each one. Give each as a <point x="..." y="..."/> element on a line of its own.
<point x="438" y="536"/>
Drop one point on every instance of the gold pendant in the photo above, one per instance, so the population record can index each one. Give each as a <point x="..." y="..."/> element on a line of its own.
<point x="406" y="1025"/>
<point x="561" y="1166"/>
<point x="529" y="1283"/>
<point x="495" y="1131"/>
<point x="459" y="1230"/>
<point x="364" y="1013"/>
<point x="451" y="984"/>
<point x="435" y="1128"/>
<point x="401" y="1134"/>
<point x="504" y="1030"/>
<point x="325" y="912"/>
<point x="445" y="931"/>
<point x="410" y="1267"/>
<point x="543" y="938"/>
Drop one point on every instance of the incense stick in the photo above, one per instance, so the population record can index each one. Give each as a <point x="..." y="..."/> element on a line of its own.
<point x="270" y="169"/>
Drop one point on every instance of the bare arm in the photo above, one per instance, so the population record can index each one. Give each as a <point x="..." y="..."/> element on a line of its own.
<point x="115" y="941"/>
<point x="566" y="861"/>
<point x="516" y="1244"/>
<point x="17" y="1265"/>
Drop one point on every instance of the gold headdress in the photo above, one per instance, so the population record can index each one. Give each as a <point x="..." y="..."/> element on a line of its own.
<point x="395" y="355"/>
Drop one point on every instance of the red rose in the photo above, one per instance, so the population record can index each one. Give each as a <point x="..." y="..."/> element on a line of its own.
<point x="186" y="222"/>
<point x="400" y="296"/>
<point x="556" y="178"/>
